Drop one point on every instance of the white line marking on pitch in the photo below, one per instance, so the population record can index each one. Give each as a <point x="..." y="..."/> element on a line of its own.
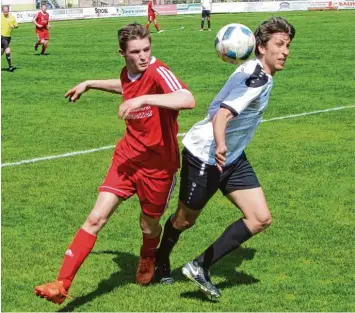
<point x="69" y="154"/>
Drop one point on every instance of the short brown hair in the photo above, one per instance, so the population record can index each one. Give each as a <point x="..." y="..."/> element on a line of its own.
<point x="5" y="6"/>
<point x="271" y="26"/>
<point x="132" y="32"/>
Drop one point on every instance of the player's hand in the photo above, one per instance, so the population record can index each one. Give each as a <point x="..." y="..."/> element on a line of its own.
<point x="49" y="26"/>
<point x="76" y="92"/>
<point x="220" y="157"/>
<point x="128" y="106"/>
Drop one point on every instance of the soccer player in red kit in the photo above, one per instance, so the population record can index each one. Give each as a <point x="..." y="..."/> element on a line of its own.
<point x="145" y="159"/>
<point x="41" y="20"/>
<point x="152" y="17"/>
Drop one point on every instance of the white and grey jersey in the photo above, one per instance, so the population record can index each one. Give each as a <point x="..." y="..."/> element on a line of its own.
<point x="246" y="94"/>
<point x="206" y="5"/>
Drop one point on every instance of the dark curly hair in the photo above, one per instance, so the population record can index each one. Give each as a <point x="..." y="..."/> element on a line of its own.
<point x="271" y="26"/>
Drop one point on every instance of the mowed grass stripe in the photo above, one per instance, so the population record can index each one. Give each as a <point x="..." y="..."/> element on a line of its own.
<point x="303" y="262"/>
<point x="75" y="153"/>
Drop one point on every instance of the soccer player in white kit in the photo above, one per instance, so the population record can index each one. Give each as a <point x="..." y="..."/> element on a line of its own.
<point x="206" y="13"/>
<point x="214" y="158"/>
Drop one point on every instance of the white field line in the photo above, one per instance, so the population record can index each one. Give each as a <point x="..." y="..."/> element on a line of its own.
<point x="299" y="115"/>
<point x="74" y="153"/>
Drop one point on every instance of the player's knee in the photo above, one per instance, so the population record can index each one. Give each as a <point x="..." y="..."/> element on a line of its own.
<point x="262" y="221"/>
<point x="151" y="230"/>
<point x="7" y="50"/>
<point x="183" y="224"/>
<point x="150" y="226"/>
<point x="96" y="221"/>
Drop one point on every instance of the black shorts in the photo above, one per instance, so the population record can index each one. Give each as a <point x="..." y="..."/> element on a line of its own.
<point x="206" y="13"/>
<point x="5" y="42"/>
<point x="200" y="181"/>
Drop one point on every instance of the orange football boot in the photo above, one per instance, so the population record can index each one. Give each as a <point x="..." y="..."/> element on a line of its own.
<point x="145" y="271"/>
<point x="53" y="292"/>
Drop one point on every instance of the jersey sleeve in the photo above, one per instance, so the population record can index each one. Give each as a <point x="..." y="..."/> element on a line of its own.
<point x="13" y="21"/>
<point x="244" y="89"/>
<point x="167" y="81"/>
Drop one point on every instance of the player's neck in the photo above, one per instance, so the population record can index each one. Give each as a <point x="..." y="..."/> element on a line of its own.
<point x="266" y="68"/>
<point x="133" y="72"/>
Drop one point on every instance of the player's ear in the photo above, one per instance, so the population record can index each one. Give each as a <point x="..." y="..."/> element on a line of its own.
<point x="262" y="49"/>
<point x="121" y="52"/>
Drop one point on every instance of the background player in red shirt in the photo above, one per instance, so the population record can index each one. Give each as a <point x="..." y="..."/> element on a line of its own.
<point x="145" y="159"/>
<point x="41" y="20"/>
<point x="152" y="17"/>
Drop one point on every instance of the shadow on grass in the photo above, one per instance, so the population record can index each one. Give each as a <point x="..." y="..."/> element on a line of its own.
<point x="226" y="268"/>
<point x="6" y="69"/>
<point x="126" y="274"/>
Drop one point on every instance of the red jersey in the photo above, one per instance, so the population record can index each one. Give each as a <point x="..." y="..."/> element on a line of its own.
<point x="42" y="19"/>
<point x="150" y="8"/>
<point x="150" y="142"/>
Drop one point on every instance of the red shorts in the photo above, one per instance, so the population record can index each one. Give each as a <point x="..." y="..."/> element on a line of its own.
<point x="151" y="17"/>
<point x="42" y="34"/>
<point x="153" y="193"/>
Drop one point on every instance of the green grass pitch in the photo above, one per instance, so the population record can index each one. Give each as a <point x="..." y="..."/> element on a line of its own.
<point x="303" y="262"/>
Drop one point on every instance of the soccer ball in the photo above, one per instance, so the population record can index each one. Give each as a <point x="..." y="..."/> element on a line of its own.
<point x="235" y="43"/>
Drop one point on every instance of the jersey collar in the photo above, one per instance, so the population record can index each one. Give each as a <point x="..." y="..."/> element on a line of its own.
<point x="262" y="66"/>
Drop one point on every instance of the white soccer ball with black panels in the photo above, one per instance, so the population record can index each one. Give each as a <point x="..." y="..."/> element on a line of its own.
<point x="235" y="43"/>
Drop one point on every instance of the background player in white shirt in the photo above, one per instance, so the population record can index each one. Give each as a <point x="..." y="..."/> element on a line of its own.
<point x="214" y="158"/>
<point x="206" y="12"/>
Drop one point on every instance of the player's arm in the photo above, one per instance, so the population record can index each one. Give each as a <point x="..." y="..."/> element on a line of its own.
<point x="108" y="85"/>
<point x="14" y="23"/>
<point x="35" y="21"/>
<point x="220" y="121"/>
<point x="243" y="91"/>
<point x="176" y="100"/>
<point x="174" y="94"/>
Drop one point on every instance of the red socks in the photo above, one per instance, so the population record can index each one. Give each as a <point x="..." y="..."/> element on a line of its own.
<point x="44" y="47"/>
<point x="149" y="247"/>
<point x="76" y="254"/>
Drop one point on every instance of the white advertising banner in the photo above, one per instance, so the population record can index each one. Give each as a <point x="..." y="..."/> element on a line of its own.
<point x="322" y="5"/>
<point x="99" y="12"/>
<point x="66" y="14"/>
<point x="238" y="7"/>
<point x="194" y="8"/>
<point x="346" y="5"/>
<point x="293" y="5"/>
<point x="23" y="17"/>
<point x="136" y="10"/>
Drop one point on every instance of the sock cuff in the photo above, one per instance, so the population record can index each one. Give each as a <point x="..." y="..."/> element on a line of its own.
<point x="86" y="239"/>
<point x="146" y="237"/>
<point x="246" y="228"/>
<point x="170" y="227"/>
